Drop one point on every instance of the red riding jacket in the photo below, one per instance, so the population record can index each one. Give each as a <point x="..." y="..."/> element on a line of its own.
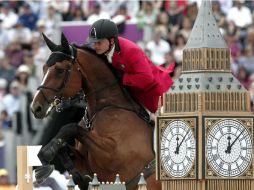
<point x="147" y="82"/>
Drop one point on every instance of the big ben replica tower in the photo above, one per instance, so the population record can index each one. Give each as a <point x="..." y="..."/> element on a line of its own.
<point x="205" y="132"/>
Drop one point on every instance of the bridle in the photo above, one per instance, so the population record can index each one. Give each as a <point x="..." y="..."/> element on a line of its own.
<point x="58" y="101"/>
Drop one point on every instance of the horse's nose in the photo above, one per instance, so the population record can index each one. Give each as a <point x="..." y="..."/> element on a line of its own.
<point x="37" y="110"/>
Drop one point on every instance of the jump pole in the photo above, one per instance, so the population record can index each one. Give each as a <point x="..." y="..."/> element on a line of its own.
<point x="26" y="159"/>
<point x="25" y="172"/>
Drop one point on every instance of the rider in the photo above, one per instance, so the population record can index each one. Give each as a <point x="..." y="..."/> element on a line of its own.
<point x="146" y="81"/>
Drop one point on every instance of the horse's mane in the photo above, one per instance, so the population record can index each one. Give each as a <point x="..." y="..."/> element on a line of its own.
<point x="91" y="50"/>
<point x="102" y="57"/>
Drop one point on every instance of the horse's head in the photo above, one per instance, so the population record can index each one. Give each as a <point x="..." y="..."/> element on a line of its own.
<point x="61" y="80"/>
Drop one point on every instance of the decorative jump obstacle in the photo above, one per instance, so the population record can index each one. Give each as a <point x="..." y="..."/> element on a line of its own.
<point x="27" y="158"/>
<point x="96" y="185"/>
<point x="117" y="185"/>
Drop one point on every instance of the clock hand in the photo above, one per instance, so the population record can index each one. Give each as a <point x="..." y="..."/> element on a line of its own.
<point x="230" y="146"/>
<point x="177" y="139"/>
<point x="228" y="151"/>
<point x="178" y="147"/>
<point x="229" y="138"/>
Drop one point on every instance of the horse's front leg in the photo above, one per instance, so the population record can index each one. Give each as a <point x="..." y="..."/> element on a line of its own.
<point x="58" y="146"/>
<point x="66" y="135"/>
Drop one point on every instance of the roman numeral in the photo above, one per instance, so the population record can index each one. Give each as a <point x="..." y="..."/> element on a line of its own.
<point x="215" y="157"/>
<point x="165" y="158"/>
<point x="228" y="129"/>
<point x="164" y="139"/>
<point x="188" y="158"/>
<point x="243" y="158"/>
<point x="214" y="137"/>
<point x="244" y="148"/>
<point x="221" y="130"/>
<point x="229" y="167"/>
<point x="244" y="136"/>
<point x="212" y="147"/>
<point x="221" y="164"/>
<point x="184" y="168"/>
<point x="238" y="167"/>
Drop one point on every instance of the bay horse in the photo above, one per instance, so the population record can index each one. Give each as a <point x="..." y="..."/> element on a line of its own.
<point x="111" y="138"/>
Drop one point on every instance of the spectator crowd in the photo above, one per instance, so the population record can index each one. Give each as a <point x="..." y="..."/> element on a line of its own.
<point x="166" y="26"/>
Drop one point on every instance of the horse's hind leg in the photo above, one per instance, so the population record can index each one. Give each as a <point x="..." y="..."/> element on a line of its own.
<point x="81" y="180"/>
<point x="152" y="183"/>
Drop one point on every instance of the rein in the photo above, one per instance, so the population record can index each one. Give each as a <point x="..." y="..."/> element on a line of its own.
<point x="82" y="74"/>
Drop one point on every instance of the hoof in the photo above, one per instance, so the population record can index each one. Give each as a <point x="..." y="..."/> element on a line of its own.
<point x="88" y="177"/>
<point x="43" y="172"/>
<point x="48" y="152"/>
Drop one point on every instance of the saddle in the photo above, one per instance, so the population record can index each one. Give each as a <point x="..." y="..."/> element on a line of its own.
<point x="139" y="109"/>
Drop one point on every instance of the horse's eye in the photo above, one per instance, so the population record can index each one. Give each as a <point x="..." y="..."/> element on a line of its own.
<point x="60" y="71"/>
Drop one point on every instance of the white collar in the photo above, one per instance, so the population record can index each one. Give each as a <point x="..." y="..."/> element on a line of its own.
<point x="110" y="54"/>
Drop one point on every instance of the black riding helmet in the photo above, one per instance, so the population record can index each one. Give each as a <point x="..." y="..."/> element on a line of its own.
<point x="104" y="29"/>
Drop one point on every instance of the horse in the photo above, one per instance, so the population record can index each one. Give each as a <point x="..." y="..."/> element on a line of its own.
<point x="111" y="138"/>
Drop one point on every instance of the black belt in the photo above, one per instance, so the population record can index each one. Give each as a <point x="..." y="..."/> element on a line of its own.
<point x="147" y="171"/>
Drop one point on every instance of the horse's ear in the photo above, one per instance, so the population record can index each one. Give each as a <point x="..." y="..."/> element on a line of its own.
<point x="49" y="43"/>
<point x="65" y="43"/>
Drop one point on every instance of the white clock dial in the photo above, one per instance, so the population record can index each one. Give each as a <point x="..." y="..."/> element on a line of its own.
<point x="229" y="148"/>
<point x="177" y="149"/>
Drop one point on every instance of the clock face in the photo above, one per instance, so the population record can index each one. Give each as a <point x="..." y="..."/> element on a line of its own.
<point x="177" y="149"/>
<point x="229" y="148"/>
